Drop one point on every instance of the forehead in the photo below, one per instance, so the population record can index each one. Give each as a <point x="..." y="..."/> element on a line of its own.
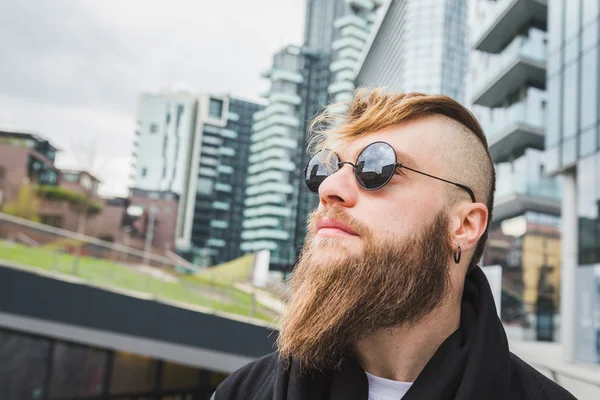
<point x="415" y="141"/>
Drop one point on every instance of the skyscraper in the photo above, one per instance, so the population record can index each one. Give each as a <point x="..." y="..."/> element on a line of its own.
<point x="572" y="142"/>
<point x="197" y="146"/>
<point x="277" y="201"/>
<point x="166" y="124"/>
<point x="211" y="221"/>
<point x="418" y="45"/>
<point x="272" y="185"/>
<point x="507" y="87"/>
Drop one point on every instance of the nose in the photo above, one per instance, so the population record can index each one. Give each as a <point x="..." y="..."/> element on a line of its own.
<point x="339" y="188"/>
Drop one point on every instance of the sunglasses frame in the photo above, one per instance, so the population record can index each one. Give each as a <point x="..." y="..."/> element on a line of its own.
<point x="340" y="164"/>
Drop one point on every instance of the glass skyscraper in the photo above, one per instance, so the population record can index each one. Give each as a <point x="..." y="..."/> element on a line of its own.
<point x="572" y="142"/>
<point x="211" y="204"/>
<point x="419" y="45"/>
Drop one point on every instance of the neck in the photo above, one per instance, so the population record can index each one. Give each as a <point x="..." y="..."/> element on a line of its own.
<point x="402" y="352"/>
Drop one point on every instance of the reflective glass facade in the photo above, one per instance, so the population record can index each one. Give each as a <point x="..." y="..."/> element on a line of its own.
<point x="35" y="367"/>
<point x="573" y="68"/>
<point x="430" y="52"/>
<point x="573" y="147"/>
<point x="221" y="182"/>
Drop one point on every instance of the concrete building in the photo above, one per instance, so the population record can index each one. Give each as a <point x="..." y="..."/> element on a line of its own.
<point x="507" y="92"/>
<point x="303" y="80"/>
<point x="272" y="184"/>
<point x="572" y="151"/>
<point x="211" y="204"/>
<point x="416" y="45"/>
<point x="164" y="135"/>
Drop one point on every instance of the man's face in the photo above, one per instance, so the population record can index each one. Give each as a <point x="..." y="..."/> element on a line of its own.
<point x="372" y="259"/>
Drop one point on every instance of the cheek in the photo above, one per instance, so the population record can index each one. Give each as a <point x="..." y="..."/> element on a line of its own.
<point x="399" y="218"/>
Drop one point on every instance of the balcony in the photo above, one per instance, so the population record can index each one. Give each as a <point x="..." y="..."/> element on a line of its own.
<point x="276" y="108"/>
<point x="342" y="86"/>
<point x="350" y="20"/>
<point x="515" y="198"/>
<point x="279" y="97"/>
<point x="275" y="74"/>
<point x="348" y="42"/>
<point x="340" y="65"/>
<point x="507" y="18"/>
<point x="522" y="63"/>
<point x="364" y="4"/>
<point x="276" y="119"/>
<point x="352" y="31"/>
<point x="519" y="128"/>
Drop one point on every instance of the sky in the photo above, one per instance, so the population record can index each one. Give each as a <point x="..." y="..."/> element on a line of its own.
<point x="71" y="70"/>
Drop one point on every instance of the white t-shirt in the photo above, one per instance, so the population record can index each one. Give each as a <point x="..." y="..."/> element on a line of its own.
<point x="386" y="389"/>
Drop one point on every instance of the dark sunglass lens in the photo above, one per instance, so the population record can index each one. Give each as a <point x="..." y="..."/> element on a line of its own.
<point x="375" y="165"/>
<point x="322" y="165"/>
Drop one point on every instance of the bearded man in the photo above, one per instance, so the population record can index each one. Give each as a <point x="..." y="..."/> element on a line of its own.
<point x="387" y="301"/>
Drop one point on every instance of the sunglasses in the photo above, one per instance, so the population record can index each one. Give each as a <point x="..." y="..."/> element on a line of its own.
<point x="374" y="168"/>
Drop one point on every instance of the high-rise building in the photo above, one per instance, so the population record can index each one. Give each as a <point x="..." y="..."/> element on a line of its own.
<point x="272" y="184"/>
<point x="211" y="221"/>
<point x="302" y="79"/>
<point x="572" y="143"/>
<point x="507" y="89"/>
<point x="417" y="45"/>
<point x="196" y="146"/>
<point x="166" y="123"/>
<point x="164" y="133"/>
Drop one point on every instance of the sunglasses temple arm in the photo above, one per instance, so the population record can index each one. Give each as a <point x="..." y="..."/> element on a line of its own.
<point x="468" y="189"/>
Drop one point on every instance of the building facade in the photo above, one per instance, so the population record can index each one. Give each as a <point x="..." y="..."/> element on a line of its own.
<point x="212" y="203"/>
<point x="507" y="93"/>
<point x="429" y="52"/>
<point x="164" y="135"/>
<point x="572" y="142"/>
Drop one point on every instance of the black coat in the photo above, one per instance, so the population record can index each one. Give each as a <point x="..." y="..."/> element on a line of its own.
<point x="473" y="363"/>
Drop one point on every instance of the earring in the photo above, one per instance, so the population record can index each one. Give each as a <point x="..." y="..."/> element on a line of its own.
<point x="457" y="255"/>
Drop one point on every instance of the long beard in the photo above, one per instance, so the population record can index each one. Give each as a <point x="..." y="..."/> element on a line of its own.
<point x="337" y="297"/>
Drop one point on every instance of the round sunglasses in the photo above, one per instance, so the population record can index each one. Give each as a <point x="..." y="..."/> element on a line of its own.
<point x="374" y="168"/>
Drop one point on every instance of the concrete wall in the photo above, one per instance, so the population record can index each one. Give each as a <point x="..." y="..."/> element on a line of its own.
<point x="75" y="311"/>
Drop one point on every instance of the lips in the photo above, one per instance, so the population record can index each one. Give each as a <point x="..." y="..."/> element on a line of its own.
<point x="333" y="225"/>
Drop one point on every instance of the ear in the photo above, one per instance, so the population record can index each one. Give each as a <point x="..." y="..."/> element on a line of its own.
<point x="469" y="222"/>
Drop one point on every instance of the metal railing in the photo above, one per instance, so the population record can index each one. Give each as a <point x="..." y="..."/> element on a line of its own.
<point x="114" y="266"/>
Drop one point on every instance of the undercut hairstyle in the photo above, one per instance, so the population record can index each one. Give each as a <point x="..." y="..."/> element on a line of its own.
<point x="372" y="110"/>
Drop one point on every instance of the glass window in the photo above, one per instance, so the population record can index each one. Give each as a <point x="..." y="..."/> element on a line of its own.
<point x="205" y="186"/>
<point x="132" y="373"/>
<point x="588" y="192"/>
<point x="569" y="152"/>
<point x="553" y="129"/>
<point x="589" y="88"/>
<point x="572" y="22"/>
<point x="570" y="110"/>
<point x="176" y="376"/>
<point x="590" y="11"/>
<point x="215" y="108"/>
<point x="77" y="371"/>
<point x="22" y="366"/>
<point x="589" y="38"/>
<point x="587" y="142"/>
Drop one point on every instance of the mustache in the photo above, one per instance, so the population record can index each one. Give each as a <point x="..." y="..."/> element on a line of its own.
<point x="337" y="213"/>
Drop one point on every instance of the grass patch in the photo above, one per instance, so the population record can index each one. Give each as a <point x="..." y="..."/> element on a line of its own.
<point x="200" y="290"/>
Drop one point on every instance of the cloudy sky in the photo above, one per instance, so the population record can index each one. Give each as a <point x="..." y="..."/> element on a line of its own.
<point x="71" y="70"/>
